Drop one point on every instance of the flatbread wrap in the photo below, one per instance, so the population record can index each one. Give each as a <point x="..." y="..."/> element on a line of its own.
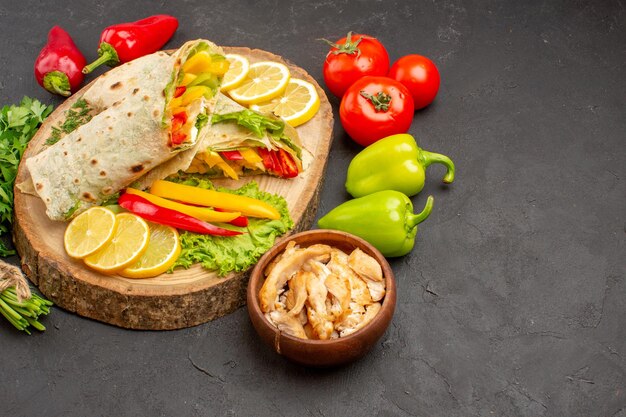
<point x="147" y="112"/>
<point x="241" y="141"/>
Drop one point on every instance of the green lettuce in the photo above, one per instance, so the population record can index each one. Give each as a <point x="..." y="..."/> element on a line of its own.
<point x="253" y="121"/>
<point x="235" y="253"/>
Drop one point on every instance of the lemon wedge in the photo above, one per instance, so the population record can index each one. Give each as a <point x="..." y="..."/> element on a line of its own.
<point x="264" y="81"/>
<point x="236" y="74"/>
<point x="297" y="105"/>
<point x="89" y="231"/>
<point x="163" y="250"/>
<point x="129" y="242"/>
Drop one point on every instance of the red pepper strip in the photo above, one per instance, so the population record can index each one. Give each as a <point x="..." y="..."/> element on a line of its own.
<point x="278" y="168"/>
<point x="58" y="66"/>
<point x="149" y="211"/>
<point x="232" y="155"/>
<point x="127" y="41"/>
<point x="241" y="221"/>
<point x="290" y="169"/>
<point x="178" y="138"/>
<point x="268" y="163"/>
<point x="179" y="91"/>
<point x="178" y="120"/>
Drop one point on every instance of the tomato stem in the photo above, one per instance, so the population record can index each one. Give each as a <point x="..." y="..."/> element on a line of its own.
<point x="348" y="47"/>
<point x="380" y="101"/>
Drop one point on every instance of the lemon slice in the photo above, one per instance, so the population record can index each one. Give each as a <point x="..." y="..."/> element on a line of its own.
<point x="297" y="105"/>
<point x="237" y="71"/>
<point x="163" y="250"/>
<point x="128" y="244"/>
<point x="264" y="81"/>
<point x="89" y="231"/>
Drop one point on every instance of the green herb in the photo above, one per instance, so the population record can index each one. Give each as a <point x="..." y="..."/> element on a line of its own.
<point x="292" y="145"/>
<point x="76" y="116"/>
<point x="199" y="47"/>
<point x="111" y="200"/>
<point x="257" y="123"/>
<point x="72" y="210"/>
<point x="235" y="253"/>
<point x="26" y="313"/>
<point x="201" y="121"/>
<point x="18" y="124"/>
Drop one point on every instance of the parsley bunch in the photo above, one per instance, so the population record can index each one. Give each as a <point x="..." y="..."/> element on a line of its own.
<point x="18" y="124"/>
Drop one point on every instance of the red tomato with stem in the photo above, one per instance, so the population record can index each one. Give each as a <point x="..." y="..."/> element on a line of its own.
<point x="351" y="58"/>
<point x="374" y="108"/>
<point x="420" y="75"/>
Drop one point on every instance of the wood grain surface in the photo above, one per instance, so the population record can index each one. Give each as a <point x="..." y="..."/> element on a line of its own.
<point x="169" y="301"/>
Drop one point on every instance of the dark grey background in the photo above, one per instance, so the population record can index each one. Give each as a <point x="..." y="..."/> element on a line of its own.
<point x="513" y="301"/>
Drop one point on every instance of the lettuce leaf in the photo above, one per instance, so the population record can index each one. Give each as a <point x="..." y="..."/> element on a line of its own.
<point x="236" y="253"/>
<point x="253" y="121"/>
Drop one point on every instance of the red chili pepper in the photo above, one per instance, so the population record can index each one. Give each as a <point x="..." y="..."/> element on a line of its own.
<point x="127" y="41"/>
<point x="58" y="66"/>
<point x="150" y="211"/>
<point x="241" y="221"/>
<point x="232" y="155"/>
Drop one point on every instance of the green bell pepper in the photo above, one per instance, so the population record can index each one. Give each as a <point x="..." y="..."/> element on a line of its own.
<point x="393" y="163"/>
<point x="385" y="219"/>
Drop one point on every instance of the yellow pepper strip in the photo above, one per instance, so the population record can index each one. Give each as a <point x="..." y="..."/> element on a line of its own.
<point x="194" y="93"/>
<point x="214" y="159"/>
<point x="219" y="67"/>
<point x="200" y="62"/>
<point x="187" y="79"/>
<point x="250" y="155"/>
<point x="194" y="195"/>
<point x="201" y="213"/>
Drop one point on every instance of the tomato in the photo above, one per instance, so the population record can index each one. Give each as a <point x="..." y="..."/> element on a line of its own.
<point x="420" y="75"/>
<point x="374" y="108"/>
<point x="351" y="58"/>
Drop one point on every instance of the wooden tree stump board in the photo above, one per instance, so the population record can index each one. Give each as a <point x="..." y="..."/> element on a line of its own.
<point x="170" y="301"/>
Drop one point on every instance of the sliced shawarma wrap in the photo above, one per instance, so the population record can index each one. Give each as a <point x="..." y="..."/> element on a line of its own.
<point x="241" y="141"/>
<point x="148" y="111"/>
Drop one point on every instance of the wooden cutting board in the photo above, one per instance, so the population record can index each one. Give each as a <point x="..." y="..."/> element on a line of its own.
<point x="169" y="301"/>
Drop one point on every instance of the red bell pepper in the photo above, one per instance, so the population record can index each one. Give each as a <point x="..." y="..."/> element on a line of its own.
<point x="279" y="163"/>
<point x="179" y="91"/>
<point x="268" y="162"/>
<point x="241" y="221"/>
<point x="288" y="165"/>
<point x="278" y="168"/>
<point x="127" y="41"/>
<point x="178" y="120"/>
<point x="178" y="138"/>
<point x="232" y="155"/>
<point x="58" y="66"/>
<point x="150" y="211"/>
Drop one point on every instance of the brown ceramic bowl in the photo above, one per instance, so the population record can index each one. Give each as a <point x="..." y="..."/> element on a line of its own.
<point x="322" y="353"/>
